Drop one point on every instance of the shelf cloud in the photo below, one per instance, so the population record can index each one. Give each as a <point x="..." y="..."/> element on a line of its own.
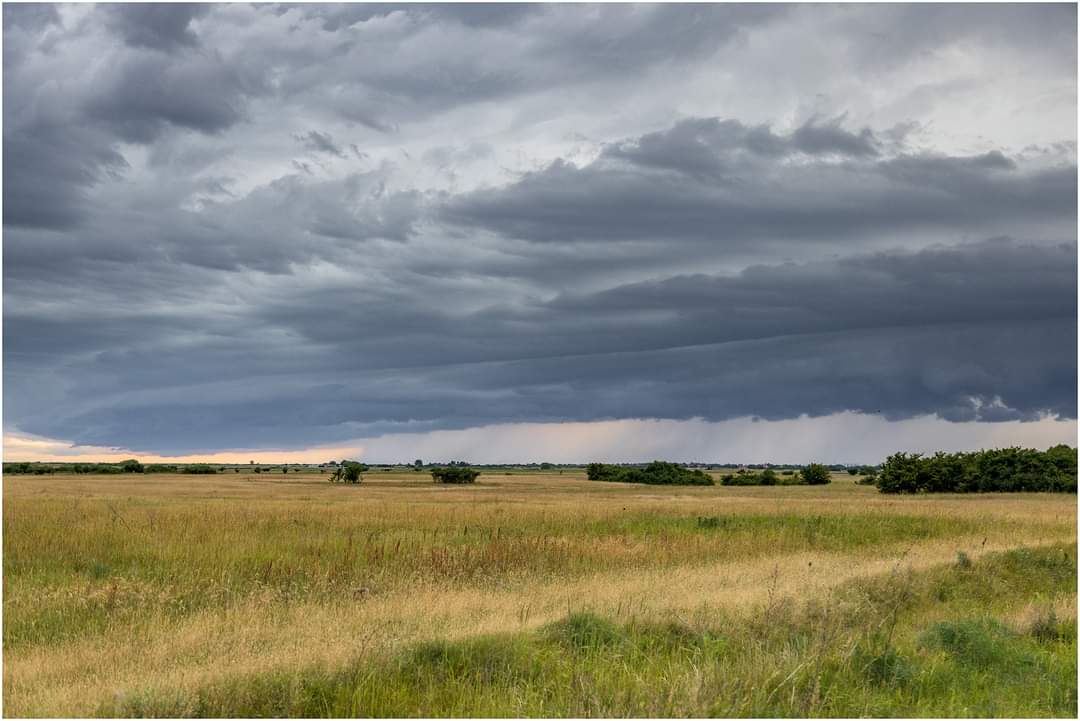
<point x="359" y="227"/>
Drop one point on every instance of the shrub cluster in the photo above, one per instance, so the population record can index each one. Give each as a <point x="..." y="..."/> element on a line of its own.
<point x="658" y="473"/>
<point x="997" y="470"/>
<point x="199" y="468"/>
<point x="457" y="474"/>
<point x="743" y="477"/>
<point x="814" y="474"/>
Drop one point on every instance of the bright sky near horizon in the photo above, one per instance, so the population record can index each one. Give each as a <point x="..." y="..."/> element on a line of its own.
<point x="525" y="233"/>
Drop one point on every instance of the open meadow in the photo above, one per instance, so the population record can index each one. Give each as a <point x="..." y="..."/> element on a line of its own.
<point x="531" y="594"/>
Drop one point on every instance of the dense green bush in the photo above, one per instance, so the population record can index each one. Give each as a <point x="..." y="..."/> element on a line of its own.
<point x="816" y="474"/>
<point x="199" y="469"/>
<point x="161" y="468"/>
<point x="659" y="473"/>
<point x="995" y="470"/>
<point x="348" y="472"/>
<point x="457" y="474"/>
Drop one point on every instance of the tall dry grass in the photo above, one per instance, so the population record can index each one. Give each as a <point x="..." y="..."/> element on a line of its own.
<point x="117" y="584"/>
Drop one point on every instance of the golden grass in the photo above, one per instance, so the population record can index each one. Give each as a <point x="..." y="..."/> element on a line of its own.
<point x="115" y="584"/>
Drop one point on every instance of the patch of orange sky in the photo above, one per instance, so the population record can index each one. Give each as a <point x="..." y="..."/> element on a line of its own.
<point x="19" y="447"/>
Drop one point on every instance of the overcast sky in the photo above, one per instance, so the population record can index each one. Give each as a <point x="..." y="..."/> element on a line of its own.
<point x="567" y="233"/>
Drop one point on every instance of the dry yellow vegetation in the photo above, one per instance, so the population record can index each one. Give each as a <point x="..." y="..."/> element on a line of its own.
<point x="160" y="584"/>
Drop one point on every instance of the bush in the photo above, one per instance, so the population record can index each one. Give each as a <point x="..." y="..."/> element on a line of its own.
<point x="741" y="479"/>
<point x="131" y="466"/>
<point x="199" y="469"/>
<point x="348" y="472"/>
<point x="816" y="474"/>
<point x="768" y="477"/>
<point x="457" y="475"/>
<point x="657" y="473"/>
<point x="988" y="471"/>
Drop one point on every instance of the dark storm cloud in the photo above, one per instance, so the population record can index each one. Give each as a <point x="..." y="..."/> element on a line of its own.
<point x="707" y="148"/>
<point x="160" y="26"/>
<point x="719" y="181"/>
<point x="429" y="58"/>
<point x="547" y="220"/>
<point x="47" y="171"/>
<point x="960" y="372"/>
<point x="320" y="143"/>
<point x="61" y="134"/>
<point x="819" y="139"/>
<point x="335" y="16"/>
<point x="33" y="16"/>
<point x="145" y="95"/>
<point x="140" y="93"/>
<point x="969" y="332"/>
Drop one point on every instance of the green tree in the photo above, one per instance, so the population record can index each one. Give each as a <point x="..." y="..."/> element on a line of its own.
<point x="131" y="466"/>
<point x="816" y="474"/>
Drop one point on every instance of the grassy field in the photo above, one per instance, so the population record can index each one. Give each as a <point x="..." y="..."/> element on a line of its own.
<point x="531" y="594"/>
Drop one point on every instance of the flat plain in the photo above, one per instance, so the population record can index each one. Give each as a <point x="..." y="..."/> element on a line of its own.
<point x="531" y="594"/>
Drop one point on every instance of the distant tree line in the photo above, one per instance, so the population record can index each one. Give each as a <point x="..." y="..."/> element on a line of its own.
<point x="995" y="470"/>
<point x="128" y="466"/>
<point x="657" y="473"/>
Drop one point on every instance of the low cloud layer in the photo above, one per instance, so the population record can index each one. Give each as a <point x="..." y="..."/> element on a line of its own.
<point x="231" y="226"/>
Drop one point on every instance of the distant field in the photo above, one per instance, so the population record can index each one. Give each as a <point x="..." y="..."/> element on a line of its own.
<point x="243" y="594"/>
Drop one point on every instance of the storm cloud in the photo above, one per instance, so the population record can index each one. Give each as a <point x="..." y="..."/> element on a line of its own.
<point x="232" y="226"/>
